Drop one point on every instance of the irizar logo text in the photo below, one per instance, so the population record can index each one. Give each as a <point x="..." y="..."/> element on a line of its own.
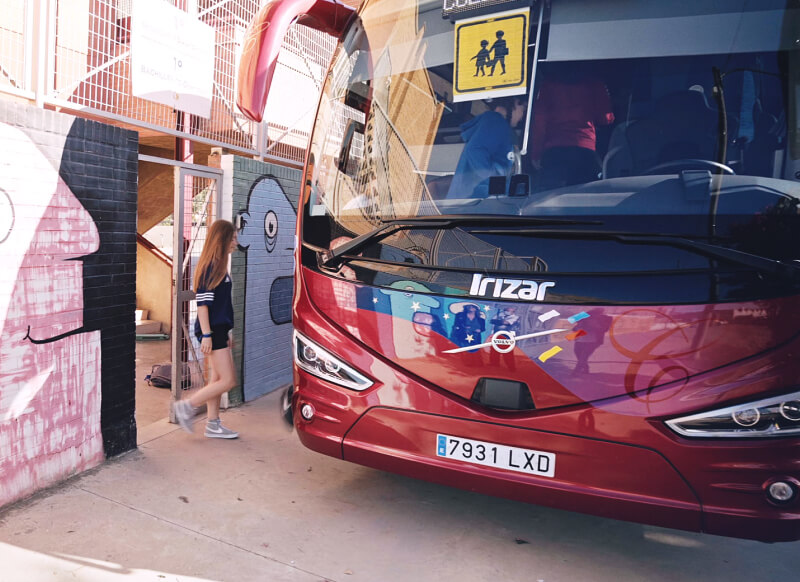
<point x="508" y="288"/>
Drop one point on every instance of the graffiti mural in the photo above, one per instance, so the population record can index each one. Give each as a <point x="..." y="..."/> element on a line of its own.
<point x="267" y="237"/>
<point x="51" y="353"/>
<point x="50" y="371"/>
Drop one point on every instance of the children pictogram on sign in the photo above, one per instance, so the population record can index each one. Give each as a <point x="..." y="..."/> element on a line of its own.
<point x="500" y="51"/>
<point x="482" y="59"/>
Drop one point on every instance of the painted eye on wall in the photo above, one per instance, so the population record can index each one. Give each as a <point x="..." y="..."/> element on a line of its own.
<point x="6" y="215"/>
<point x="271" y="230"/>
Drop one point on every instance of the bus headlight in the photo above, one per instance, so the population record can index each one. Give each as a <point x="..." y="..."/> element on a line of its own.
<point x="772" y="417"/>
<point x="315" y="360"/>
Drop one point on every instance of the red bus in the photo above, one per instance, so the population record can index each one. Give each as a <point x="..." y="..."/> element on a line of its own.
<point x="549" y="251"/>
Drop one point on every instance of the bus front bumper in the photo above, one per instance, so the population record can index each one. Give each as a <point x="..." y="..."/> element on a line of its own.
<point x="593" y="476"/>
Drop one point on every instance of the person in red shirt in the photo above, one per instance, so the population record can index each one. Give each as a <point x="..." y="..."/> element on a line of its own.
<point x="568" y="109"/>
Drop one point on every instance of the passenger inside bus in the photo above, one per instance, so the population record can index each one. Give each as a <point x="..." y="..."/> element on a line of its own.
<point x="489" y="148"/>
<point x="615" y="118"/>
<point x="569" y="106"/>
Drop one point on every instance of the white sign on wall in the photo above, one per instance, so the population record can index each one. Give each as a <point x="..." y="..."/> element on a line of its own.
<point x="172" y="57"/>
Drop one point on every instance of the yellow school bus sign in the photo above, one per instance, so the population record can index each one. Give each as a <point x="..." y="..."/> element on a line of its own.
<point x="491" y="55"/>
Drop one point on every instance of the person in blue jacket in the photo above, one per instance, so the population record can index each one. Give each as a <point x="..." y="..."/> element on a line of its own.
<point x="489" y="149"/>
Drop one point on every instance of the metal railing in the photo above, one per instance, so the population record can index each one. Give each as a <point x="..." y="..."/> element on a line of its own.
<point x="61" y="54"/>
<point x="16" y="50"/>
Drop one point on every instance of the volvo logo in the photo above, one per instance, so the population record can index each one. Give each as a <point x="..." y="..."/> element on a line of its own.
<point x="508" y="288"/>
<point x="503" y="341"/>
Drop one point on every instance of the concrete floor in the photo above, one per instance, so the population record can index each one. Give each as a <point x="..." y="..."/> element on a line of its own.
<point x="152" y="404"/>
<point x="264" y="508"/>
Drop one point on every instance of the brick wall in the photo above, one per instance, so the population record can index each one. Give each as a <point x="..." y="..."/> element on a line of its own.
<point x="266" y="196"/>
<point x="68" y="195"/>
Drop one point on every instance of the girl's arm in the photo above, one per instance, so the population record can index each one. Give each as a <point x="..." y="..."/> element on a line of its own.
<point x="205" y="327"/>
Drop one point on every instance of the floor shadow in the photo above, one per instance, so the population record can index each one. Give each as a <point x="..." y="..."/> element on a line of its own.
<point x="152" y="404"/>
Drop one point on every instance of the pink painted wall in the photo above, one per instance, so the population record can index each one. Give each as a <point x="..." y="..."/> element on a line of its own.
<point x="51" y="363"/>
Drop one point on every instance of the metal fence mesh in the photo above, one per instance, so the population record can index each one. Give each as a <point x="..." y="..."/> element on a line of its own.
<point x="14" y="58"/>
<point x="200" y="197"/>
<point x="87" y="43"/>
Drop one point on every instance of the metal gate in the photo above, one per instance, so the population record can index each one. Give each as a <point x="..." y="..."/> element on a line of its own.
<point x="197" y="194"/>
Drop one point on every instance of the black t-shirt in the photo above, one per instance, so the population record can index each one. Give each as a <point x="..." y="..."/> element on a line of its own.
<point x="219" y="303"/>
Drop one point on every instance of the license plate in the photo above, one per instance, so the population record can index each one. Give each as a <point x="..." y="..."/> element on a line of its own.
<point x="493" y="455"/>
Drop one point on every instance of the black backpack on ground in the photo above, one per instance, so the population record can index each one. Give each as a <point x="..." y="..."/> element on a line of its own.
<point x="160" y="376"/>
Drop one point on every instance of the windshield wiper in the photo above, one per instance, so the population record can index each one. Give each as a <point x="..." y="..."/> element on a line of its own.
<point x="333" y="257"/>
<point x="713" y="251"/>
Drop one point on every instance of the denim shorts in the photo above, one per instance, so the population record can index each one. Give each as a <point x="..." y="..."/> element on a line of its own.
<point x="219" y="337"/>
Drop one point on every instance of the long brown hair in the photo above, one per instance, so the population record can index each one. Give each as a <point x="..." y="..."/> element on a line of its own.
<point x="212" y="266"/>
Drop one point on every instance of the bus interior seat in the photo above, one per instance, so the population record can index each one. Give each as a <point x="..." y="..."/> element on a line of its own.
<point x="688" y="124"/>
<point x="682" y="126"/>
<point x="633" y="147"/>
<point x="617" y="161"/>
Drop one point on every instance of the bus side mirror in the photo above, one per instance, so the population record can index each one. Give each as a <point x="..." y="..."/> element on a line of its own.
<point x="359" y="92"/>
<point x="358" y="96"/>
<point x="264" y="38"/>
<point x="344" y="161"/>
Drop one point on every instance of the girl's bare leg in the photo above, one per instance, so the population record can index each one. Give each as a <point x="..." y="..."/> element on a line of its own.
<point x="212" y="405"/>
<point x="222" y="377"/>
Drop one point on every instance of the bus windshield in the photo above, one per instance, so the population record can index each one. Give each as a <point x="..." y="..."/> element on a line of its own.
<point x="674" y="120"/>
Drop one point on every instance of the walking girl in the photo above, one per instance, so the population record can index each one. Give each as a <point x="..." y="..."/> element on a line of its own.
<point x="213" y="284"/>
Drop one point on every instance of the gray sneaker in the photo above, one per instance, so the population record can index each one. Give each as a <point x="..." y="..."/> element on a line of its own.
<point x="184" y="414"/>
<point x="215" y="430"/>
